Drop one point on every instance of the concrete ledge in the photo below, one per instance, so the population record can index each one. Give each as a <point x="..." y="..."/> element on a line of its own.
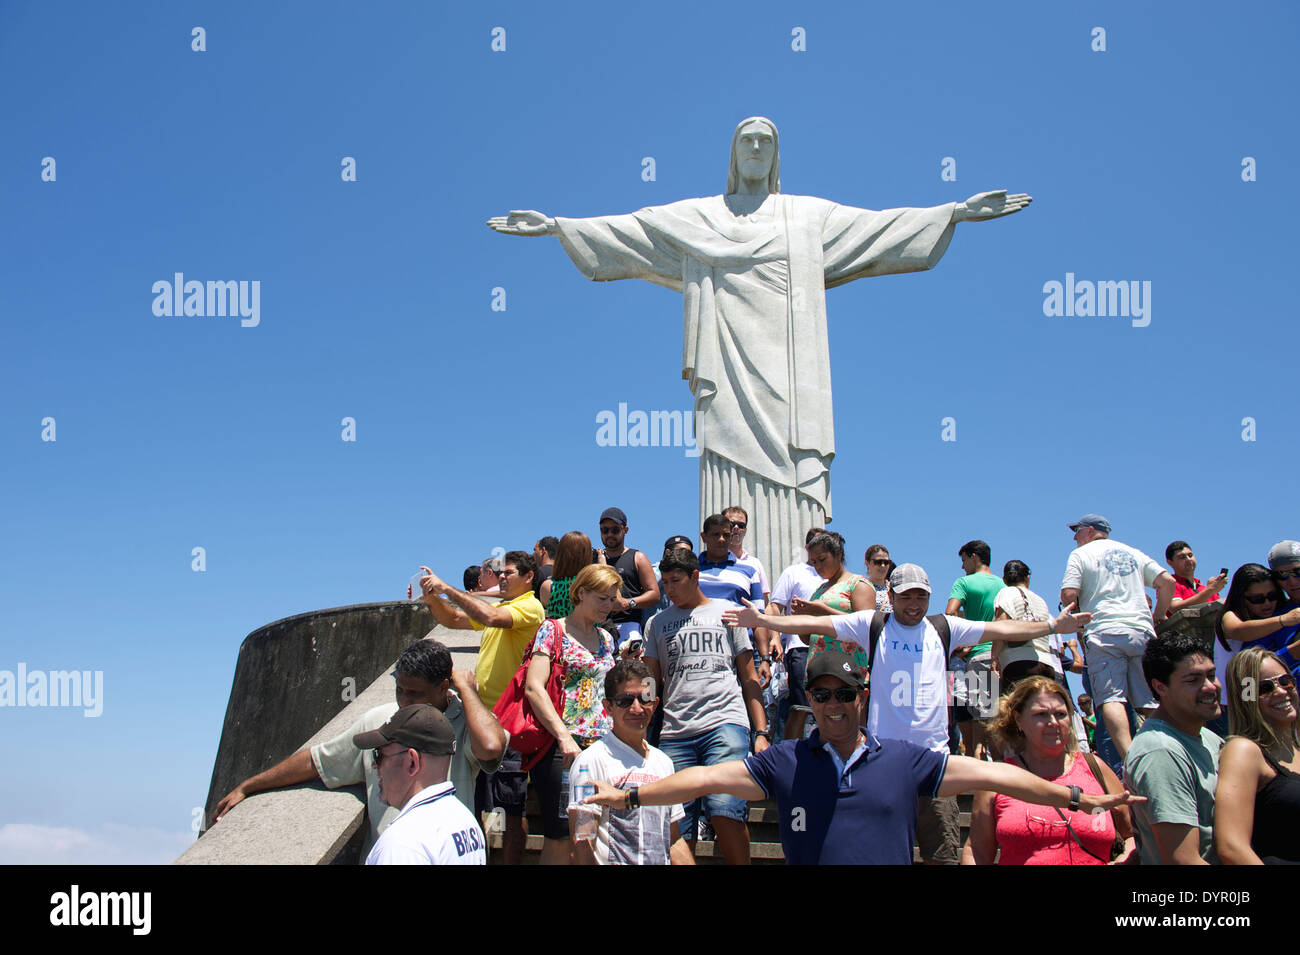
<point x="309" y="824"/>
<point x="294" y="675"/>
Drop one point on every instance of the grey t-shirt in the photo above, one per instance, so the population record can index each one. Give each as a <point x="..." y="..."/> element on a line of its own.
<point x="697" y="656"/>
<point x="1178" y="775"/>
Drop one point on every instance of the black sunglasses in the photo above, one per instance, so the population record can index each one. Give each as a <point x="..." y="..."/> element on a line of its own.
<point x="1260" y="598"/>
<point x="625" y="700"/>
<point x="843" y="694"/>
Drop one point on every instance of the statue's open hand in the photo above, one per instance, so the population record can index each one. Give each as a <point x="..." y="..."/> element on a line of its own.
<point x="992" y="205"/>
<point x="522" y="222"/>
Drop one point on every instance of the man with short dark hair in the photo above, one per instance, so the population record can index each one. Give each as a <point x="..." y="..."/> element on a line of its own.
<point x="972" y="598"/>
<point x="639" y="591"/>
<point x="844" y="795"/>
<point x="544" y="553"/>
<point x="624" y="758"/>
<point x="412" y="755"/>
<point x="508" y="630"/>
<point x="1188" y="591"/>
<point x="710" y="692"/>
<point x="1174" y="759"/>
<point x="738" y="518"/>
<point x="722" y="577"/>
<point x="423" y="674"/>
<point x="1108" y="579"/>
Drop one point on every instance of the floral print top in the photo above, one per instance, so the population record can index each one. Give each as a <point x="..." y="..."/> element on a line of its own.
<point x="838" y="596"/>
<point x="584" y="681"/>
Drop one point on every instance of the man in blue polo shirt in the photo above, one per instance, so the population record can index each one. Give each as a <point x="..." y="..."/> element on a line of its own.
<point x="846" y="797"/>
<point x="722" y="577"/>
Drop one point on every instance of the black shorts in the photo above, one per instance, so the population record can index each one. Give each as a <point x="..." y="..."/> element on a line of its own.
<point x="508" y="788"/>
<point x="796" y="665"/>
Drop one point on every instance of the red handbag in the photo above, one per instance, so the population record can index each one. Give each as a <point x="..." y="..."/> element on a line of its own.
<point x="515" y="714"/>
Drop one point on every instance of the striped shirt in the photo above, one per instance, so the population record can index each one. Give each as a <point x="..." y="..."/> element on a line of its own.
<point x="730" y="580"/>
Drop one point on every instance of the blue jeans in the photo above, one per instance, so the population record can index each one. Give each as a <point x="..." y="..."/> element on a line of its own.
<point x="720" y="745"/>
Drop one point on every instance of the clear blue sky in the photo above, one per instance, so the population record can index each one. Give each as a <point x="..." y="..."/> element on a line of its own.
<point x="476" y="428"/>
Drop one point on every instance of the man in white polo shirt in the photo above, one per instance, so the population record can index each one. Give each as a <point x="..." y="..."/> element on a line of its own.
<point x="909" y="678"/>
<point x="413" y="753"/>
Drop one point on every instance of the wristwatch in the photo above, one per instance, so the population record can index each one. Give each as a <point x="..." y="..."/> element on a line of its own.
<point x="632" y="800"/>
<point x="1075" y="794"/>
<point x="766" y="734"/>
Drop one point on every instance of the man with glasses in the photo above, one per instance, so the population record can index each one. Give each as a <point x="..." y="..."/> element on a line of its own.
<point x="412" y="754"/>
<point x="846" y="796"/>
<point x="722" y="577"/>
<point x="1284" y="562"/>
<point x="738" y="518"/>
<point x="423" y="674"/>
<point x="640" y="590"/>
<point x="508" y="630"/>
<point x="622" y="756"/>
<point x="1109" y="580"/>
<point x="909" y="654"/>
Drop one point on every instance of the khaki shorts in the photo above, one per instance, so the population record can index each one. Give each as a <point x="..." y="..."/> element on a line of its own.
<point x="1115" y="668"/>
<point x="938" y="830"/>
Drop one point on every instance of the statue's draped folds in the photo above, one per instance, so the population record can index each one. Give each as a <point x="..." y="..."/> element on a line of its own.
<point x="755" y="349"/>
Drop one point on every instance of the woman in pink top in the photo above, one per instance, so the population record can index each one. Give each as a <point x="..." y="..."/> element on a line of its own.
<point x="1034" y="722"/>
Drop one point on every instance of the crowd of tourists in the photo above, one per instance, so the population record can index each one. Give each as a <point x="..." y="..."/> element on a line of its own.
<point x="645" y="704"/>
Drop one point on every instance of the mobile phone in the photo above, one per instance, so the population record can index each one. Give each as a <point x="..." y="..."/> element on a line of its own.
<point x="1223" y="571"/>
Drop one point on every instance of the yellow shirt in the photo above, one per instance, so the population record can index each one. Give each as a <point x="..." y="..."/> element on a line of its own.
<point x="501" y="651"/>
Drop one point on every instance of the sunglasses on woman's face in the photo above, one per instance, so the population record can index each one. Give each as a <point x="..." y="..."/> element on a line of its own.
<point x="843" y="694"/>
<point x="1257" y="599"/>
<point x="1286" y="681"/>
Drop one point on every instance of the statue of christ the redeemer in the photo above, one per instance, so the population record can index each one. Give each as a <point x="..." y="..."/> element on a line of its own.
<point x="752" y="266"/>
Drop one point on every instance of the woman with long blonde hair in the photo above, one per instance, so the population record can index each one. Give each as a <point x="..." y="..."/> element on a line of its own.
<point x="1257" y="802"/>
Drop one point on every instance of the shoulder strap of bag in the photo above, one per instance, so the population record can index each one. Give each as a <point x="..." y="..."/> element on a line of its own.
<point x="878" y="622"/>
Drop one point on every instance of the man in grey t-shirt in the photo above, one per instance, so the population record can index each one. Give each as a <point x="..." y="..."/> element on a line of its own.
<point x="710" y="693"/>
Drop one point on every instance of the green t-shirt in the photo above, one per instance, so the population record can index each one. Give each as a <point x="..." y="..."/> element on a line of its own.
<point x="977" y="593"/>
<point x="1178" y="774"/>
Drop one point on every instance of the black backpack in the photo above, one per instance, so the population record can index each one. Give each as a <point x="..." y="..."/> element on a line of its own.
<point x="937" y="620"/>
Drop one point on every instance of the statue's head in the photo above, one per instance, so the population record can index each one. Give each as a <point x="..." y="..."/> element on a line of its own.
<point x="755" y="151"/>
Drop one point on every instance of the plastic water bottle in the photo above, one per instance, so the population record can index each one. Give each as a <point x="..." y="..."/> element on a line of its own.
<point x="585" y="830"/>
<point x="564" y="792"/>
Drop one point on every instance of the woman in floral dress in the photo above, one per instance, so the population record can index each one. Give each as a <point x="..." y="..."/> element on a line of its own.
<point x="584" y="652"/>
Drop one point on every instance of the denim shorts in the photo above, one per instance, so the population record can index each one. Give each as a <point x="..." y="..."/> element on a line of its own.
<point x="721" y="745"/>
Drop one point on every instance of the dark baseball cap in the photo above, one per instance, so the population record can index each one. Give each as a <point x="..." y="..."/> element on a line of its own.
<point x="836" y="664"/>
<point x="421" y="727"/>
<point x="614" y="514"/>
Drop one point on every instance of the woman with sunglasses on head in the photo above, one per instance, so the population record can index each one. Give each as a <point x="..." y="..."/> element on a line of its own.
<point x="1252" y="617"/>
<point x="1034" y="721"/>
<point x="1257" y="802"/>
<point x="584" y="652"/>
